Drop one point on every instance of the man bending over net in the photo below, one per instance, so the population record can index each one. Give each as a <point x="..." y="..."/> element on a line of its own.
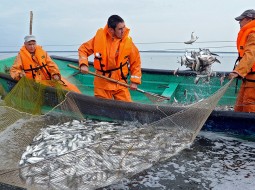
<point x="35" y="63"/>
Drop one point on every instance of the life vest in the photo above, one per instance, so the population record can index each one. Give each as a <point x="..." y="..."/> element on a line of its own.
<point x="34" y="64"/>
<point x="101" y="57"/>
<point x="242" y="38"/>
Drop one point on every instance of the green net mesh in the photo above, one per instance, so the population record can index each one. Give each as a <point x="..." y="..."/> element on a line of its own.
<point x="26" y="96"/>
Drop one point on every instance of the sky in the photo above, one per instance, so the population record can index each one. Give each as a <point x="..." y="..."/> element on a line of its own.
<point x="154" y="24"/>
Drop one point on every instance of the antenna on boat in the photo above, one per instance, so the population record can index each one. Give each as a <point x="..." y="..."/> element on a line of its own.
<point x="31" y="23"/>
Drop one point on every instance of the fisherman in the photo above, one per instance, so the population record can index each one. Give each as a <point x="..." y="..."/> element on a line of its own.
<point x="245" y="68"/>
<point x="114" y="53"/>
<point x="34" y="63"/>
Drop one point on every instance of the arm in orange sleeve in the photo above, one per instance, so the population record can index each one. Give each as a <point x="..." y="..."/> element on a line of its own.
<point x="52" y="66"/>
<point x="17" y="68"/>
<point x="85" y="50"/>
<point x="248" y="59"/>
<point x="135" y="65"/>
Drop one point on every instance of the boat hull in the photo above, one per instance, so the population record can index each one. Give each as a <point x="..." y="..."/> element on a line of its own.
<point x="92" y="107"/>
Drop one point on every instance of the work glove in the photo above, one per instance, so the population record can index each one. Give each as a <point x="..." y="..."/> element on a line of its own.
<point x="22" y="74"/>
<point x="133" y="86"/>
<point x="84" y="69"/>
<point x="232" y="75"/>
<point x="56" y="77"/>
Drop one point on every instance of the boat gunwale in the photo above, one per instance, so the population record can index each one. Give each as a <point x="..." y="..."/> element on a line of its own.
<point x="149" y="107"/>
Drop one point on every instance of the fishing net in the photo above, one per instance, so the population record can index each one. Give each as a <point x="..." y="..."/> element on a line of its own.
<point x="26" y="97"/>
<point x="62" y="149"/>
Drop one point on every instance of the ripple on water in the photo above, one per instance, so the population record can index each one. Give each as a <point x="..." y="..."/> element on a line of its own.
<point x="214" y="161"/>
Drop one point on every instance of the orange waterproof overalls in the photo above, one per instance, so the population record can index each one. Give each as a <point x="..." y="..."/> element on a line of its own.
<point x="246" y="68"/>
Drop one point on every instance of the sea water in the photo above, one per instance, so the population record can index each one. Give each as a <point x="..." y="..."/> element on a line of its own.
<point x="214" y="162"/>
<point x="170" y="60"/>
<point x="157" y="60"/>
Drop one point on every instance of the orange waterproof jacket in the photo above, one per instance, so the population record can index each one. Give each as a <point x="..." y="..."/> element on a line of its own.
<point x="246" y="50"/>
<point x="115" y="56"/>
<point x="38" y="66"/>
<point x="105" y="64"/>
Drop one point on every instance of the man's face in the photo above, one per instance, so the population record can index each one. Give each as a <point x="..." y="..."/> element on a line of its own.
<point x="119" y="30"/>
<point x="30" y="46"/>
<point x="244" y="21"/>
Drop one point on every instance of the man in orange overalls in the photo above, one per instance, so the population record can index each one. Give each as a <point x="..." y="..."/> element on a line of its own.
<point x="246" y="66"/>
<point x="114" y="55"/>
<point x="34" y="63"/>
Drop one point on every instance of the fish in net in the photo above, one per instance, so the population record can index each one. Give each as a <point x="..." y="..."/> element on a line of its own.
<point x="63" y="150"/>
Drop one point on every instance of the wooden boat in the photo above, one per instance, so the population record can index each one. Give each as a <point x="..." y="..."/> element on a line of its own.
<point x="179" y="87"/>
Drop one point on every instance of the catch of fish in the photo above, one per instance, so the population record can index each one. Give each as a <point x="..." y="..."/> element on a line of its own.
<point x="200" y="62"/>
<point x="89" y="154"/>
